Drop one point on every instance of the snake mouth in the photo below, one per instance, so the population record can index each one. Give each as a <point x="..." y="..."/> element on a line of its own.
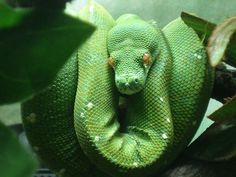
<point x="129" y="84"/>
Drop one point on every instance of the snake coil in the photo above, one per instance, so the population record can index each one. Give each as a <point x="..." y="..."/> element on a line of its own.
<point x="75" y="126"/>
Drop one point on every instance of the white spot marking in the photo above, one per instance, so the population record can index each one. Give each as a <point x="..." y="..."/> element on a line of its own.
<point x="126" y="84"/>
<point x="168" y="120"/>
<point x="161" y="99"/>
<point x="135" y="164"/>
<point x="82" y="114"/>
<point x="97" y="138"/>
<point x="90" y="105"/>
<point x="145" y="66"/>
<point x="199" y="57"/>
<point x="164" y="136"/>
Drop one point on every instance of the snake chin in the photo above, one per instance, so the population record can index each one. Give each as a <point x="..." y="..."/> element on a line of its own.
<point x="128" y="91"/>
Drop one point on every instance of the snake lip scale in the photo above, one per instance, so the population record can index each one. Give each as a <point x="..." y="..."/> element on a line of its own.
<point x="126" y="103"/>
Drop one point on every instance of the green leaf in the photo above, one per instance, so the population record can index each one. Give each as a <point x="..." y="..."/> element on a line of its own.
<point x="15" y="160"/>
<point x="225" y="114"/>
<point x="202" y="27"/>
<point x="216" y="144"/>
<point x="219" y="41"/>
<point x="10" y="17"/>
<point x="32" y="53"/>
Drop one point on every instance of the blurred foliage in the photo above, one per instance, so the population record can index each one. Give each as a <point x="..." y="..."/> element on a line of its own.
<point x="35" y="43"/>
<point x="11" y="17"/>
<point x="15" y="160"/>
<point x="32" y="51"/>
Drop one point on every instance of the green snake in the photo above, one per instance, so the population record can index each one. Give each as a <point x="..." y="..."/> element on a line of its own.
<point x="126" y="103"/>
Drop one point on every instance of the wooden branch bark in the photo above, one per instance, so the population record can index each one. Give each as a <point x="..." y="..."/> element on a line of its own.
<point x="187" y="167"/>
<point x="224" y="84"/>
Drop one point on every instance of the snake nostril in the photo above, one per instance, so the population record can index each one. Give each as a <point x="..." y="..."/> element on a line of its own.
<point x="136" y="81"/>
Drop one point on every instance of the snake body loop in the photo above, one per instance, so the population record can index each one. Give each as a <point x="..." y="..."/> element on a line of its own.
<point x="167" y="82"/>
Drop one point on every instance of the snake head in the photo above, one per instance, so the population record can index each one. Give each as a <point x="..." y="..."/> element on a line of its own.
<point x="130" y="73"/>
<point x="132" y="46"/>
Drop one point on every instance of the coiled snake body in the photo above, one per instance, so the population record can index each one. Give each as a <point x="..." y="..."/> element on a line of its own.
<point x="164" y="78"/>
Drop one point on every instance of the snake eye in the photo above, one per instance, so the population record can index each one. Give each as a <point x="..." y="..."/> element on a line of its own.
<point x="147" y="59"/>
<point x="111" y="62"/>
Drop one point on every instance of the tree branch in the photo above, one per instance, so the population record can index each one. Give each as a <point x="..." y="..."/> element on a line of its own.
<point x="224" y="84"/>
<point x="187" y="167"/>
